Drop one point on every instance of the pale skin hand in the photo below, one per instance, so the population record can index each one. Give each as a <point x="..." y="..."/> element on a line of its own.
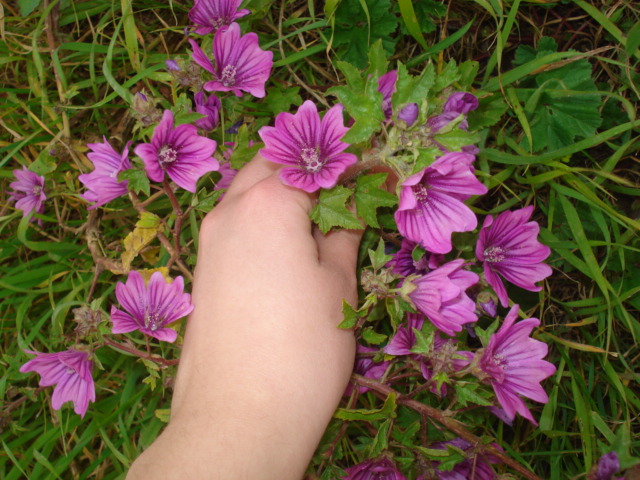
<point x="263" y="365"/>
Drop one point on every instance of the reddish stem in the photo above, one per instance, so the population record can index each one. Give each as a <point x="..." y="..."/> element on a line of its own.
<point x="444" y="419"/>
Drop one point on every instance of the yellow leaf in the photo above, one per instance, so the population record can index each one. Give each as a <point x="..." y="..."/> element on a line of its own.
<point x="147" y="228"/>
<point x="147" y="272"/>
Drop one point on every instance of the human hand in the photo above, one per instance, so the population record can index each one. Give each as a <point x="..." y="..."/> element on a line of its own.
<point x="263" y="365"/>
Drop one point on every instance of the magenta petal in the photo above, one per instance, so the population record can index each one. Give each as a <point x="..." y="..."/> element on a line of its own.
<point x="309" y="145"/>
<point x="70" y="371"/>
<point x="514" y="365"/>
<point x="149" y="308"/>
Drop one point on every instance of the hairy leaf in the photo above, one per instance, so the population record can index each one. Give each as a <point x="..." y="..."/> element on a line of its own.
<point x="356" y="29"/>
<point x="369" y="197"/>
<point x="331" y="210"/>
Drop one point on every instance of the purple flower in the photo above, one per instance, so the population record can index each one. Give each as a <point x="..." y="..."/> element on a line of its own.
<point x="102" y="184"/>
<point x="460" y="102"/>
<point x="309" y="146"/>
<point x="431" y="204"/>
<point x="228" y="174"/>
<point x="179" y="152"/>
<point x="172" y="66"/>
<point x="438" y="122"/>
<point x="28" y="191"/>
<point x="476" y="466"/>
<point x="210" y="15"/>
<point x="366" y="367"/>
<point x="387" y="87"/>
<point x="508" y="246"/>
<point x="150" y="307"/>
<point x="403" y="263"/>
<point x="209" y="106"/>
<point x="70" y="372"/>
<point x="409" y="114"/>
<point x="440" y="296"/>
<point x="489" y="307"/>
<point x="444" y="358"/>
<point x="608" y="465"/>
<point x="404" y="339"/>
<point x="240" y="64"/>
<point x="383" y="469"/>
<point x="512" y="363"/>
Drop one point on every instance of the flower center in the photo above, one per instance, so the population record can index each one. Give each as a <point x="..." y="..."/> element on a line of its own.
<point x="228" y="77"/>
<point x="311" y="159"/>
<point x="70" y="371"/>
<point x="217" y="22"/>
<point x="421" y="193"/>
<point x="37" y="189"/>
<point x="498" y="366"/>
<point x="167" y="154"/>
<point x="152" y="321"/>
<point x="494" y="254"/>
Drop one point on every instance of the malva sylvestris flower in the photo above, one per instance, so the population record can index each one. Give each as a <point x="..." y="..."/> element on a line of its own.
<point x="383" y="469"/>
<point x="70" y="372"/>
<point x="209" y="106"/>
<point x="28" y="191"/>
<point x="310" y="148"/>
<point x="508" y="246"/>
<point x="149" y="308"/>
<point x="431" y="204"/>
<point x="211" y="15"/>
<point x="512" y="363"/>
<point x="240" y="65"/>
<point x="102" y="184"/>
<point x="476" y="466"/>
<point x="387" y="87"/>
<point x="179" y="152"/>
<point x="441" y="296"/>
<point x="366" y="367"/>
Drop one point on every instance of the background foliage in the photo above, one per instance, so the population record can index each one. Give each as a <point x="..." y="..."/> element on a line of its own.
<point x="561" y="131"/>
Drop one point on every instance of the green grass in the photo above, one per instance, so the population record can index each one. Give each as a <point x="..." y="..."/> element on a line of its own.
<point x="69" y="70"/>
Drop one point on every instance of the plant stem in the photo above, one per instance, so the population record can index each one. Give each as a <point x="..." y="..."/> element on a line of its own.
<point x="444" y="419"/>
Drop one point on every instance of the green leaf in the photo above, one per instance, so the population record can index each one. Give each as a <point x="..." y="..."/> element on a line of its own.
<point x="44" y="164"/>
<point x="138" y="180"/>
<point x="353" y="76"/>
<point x="379" y="257"/>
<point x="381" y="440"/>
<point x="388" y="410"/>
<point x="352" y="36"/>
<point x="424" y="341"/>
<point x="449" y="75"/>
<point x="280" y="100"/>
<point x="350" y="316"/>
<point x="411" y="21"/>
<point x="457" y="138"/>
<point x="467" y="395"/>
<point x="164" y="414"/>
<point x="331" y="210"/>
<point x="378" y="63"/>
<point x="410" y="89"/>
<point x="563" y="103"/>
<point x="633" y="39"/>
<point x="242" y="152"/>
<point x="489" y="112"/>
<point x="28" y="6"/>
<point x="372" y="337"/>
<point x="365" y="107"/>
<point x="369" y="197"/>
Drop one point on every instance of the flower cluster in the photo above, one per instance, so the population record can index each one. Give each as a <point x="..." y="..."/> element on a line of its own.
<point x="434" y="295"/>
